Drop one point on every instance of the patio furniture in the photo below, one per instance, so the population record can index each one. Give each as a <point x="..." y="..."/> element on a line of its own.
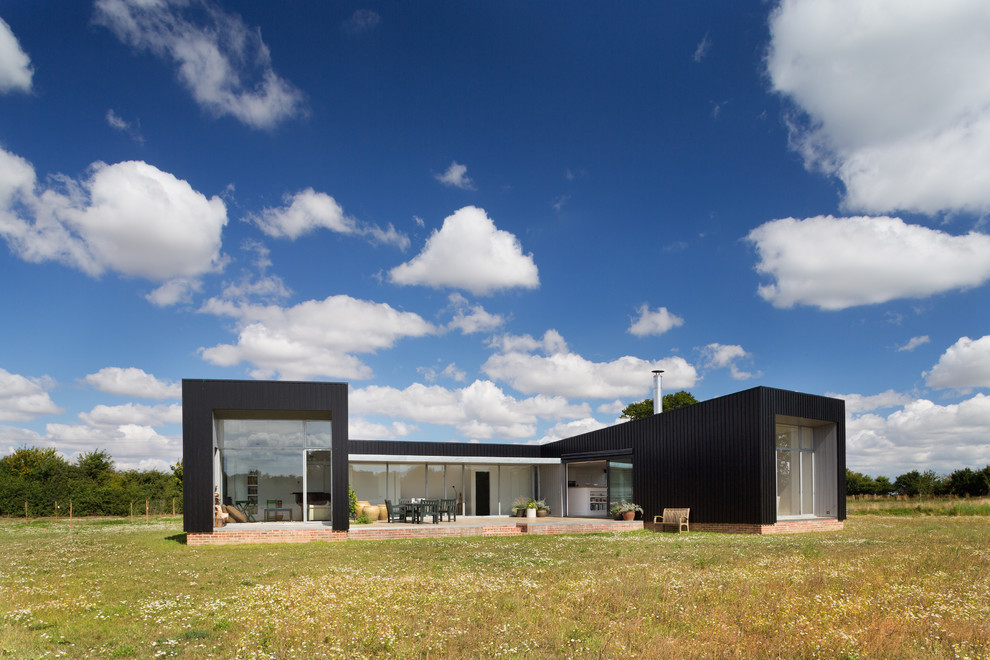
<point x="249" y="508"/>
<point x="430" y="508"/>
<point x="396" y="513"/>
<point x="676" y="518"/>
<point x="274" y="508"/>
<point x="449" y="507"/>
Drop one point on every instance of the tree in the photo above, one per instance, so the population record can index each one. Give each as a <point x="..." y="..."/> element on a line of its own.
<point x="95" y="465"/>
<point x="177" y="471"/>
<point x="644" y="408"/>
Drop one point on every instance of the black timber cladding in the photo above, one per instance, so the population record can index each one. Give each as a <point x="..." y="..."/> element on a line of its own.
<point x="202" y="399"/>
<point x="716" y="457"/>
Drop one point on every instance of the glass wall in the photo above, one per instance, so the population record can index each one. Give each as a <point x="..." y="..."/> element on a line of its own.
<point x="514" y="481"/>
<point x="369" y="481"/>
<point x="271" y="470"/>
<point x="435" y="482"/>
<point x="795" y="470"/>
<point x="620" y="482"/>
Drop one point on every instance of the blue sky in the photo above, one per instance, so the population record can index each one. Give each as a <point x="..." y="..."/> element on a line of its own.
<point x="494" y="220"/>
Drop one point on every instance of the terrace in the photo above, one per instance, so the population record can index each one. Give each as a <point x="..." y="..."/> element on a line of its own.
<point x="303" y="532"/>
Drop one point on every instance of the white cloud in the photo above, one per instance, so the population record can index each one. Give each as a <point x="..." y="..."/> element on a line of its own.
<point x="895" y="98"/>
<point x="834" y="263"/>
<point x="450" y="371"/>
<point x="132" y="446"/>
<point x="362" y="20"/>
<point x="654" y="322"/>
<point x="914" y="343"/>
<point x="964" y="365"/>
<point x="133" y="382"/>
<point x="859" y="403"/>
<point x="118" y="123"/>
<point x="470" y="253"/>
<point x="480" y="411"/>
<point x="15" y="65"/>
<point x="613" y="408"/>
<point x="470" y="319"/>
<point x="23" y="399"/>
<point x="920" y="436"/>
<point x="361" y="429"/>
<point x="312" y="339"/>
<point x="560" y="372"/>
<point x="702" y="49"/>
<point x="570" y="429"/>
<point x="720" y="356"/>
<point x="174" y="291"/>
<point x="103" y="416"/>
<point x="221" y="61"/>
<point x="131" y="218"/>
<point x="308" y="210"/>
<point x="456" y="176"/>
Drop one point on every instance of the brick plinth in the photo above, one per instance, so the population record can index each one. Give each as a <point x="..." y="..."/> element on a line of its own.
<point x="238" y="535"/>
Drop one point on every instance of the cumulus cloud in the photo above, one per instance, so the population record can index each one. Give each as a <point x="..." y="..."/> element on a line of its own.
<point x="456" y="177"/>
<point x="361" y="429"/>
<point x="859" y="403"/>
<point x="835" y="263"/>
<point x="479" y="411"/>
<point x="470" y="319"/>
<point x="921" y="435"/>
<point x="964" y="365"/>
<point x="23" y="399"/>
<point x="893" y="98"/>
<point x="654" y="322"/>
<point x="570" y="429"/>
<point x="431" y="374"/>
<point x="133" y="382"/>
<point x="132" y="414"/>
<point x="223" y="63"/>
<point x="470" y="253"/>
<point x="15" y="65"/>
<point x="560" y="372"/>
<point x="316" y="338"/>
<point x="131" y="218"/>
<point x="133" y="446"/>
<point x="308" y="210"/>
<point x="720" y="356"/>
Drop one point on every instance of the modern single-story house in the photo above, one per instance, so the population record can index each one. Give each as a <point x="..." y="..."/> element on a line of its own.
<point x="762" y="460"/>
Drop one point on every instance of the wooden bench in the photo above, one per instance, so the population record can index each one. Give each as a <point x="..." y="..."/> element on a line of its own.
<point x="676" y="518"/>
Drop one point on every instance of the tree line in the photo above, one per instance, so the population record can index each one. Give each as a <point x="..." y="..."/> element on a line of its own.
<point x="40" y="477"/>
<point x="965" y="482"/>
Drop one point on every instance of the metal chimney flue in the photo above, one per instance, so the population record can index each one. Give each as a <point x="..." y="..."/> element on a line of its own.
<point x="657" y="391"/>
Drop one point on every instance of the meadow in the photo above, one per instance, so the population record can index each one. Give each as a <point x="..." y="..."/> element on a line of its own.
<point x="912" y="586"/>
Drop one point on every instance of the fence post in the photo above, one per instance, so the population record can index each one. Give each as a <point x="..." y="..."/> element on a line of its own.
<point x="132" y="511"/>
<point x="146" y="512"/>
<point x="173" y="507"/>
<point x="56" y="511"/>
<point x="25" y="510"/>
<point x="70" y="514"/>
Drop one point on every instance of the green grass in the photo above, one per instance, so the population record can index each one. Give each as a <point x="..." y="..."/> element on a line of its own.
<point x="912" y="586"/>
<point x="913" y="506"/>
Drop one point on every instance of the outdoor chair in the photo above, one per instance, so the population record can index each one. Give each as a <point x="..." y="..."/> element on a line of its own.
<point x="679" y="519"/>
<point x="395" y="513"/>
<point x="449" y="507"/>
<point x="431" y="508"/>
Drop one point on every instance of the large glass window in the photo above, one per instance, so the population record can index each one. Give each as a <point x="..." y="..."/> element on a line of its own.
<point x="620" y="483"/>
<point x="434" y="482"/>
<point x="514" y="481"/>
<point x="274" y="470"/>
<point x="795" y="470"/>
<point x="368" y="481"/>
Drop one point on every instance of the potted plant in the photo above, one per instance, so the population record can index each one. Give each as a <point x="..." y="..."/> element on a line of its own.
<point x="519" y="506"/>
<point x="531" y="508"/>
<point x="542" y="510"/>
<point x="625" y="510"/>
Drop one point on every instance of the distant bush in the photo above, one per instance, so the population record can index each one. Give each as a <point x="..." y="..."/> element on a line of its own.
<point x="41" y="477"/>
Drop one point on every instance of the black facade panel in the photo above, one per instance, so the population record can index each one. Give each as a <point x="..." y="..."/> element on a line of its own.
<point x="229" y="398"/>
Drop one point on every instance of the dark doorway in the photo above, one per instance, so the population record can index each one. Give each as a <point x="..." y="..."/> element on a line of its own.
<point x="481" y="489"/>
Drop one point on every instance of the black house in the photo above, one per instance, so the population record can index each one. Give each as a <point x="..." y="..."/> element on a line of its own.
<point x="762" y="460"/>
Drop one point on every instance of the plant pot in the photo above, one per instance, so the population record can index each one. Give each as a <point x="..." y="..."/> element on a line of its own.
<point x="360" y="507"/>
<point x="628" y="515"/>
<point x="382" y="512"/>
<point x="542" y="513"/>
<point x="530" y="513"/>
<point x="520" y="513"/>
<point x="372" y="511"/>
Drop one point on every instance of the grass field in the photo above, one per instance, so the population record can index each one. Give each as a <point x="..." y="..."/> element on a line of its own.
<point x="912" y="586"/>
<point x="930" y="506"/>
